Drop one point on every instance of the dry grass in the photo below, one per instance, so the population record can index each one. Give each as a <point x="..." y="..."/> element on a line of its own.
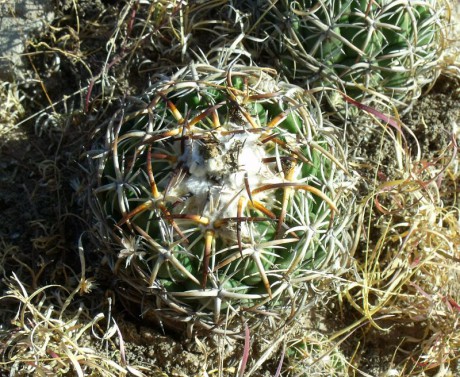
<point x="49" y="336"/>
<point x="12" y="108"/>
<point x="407" y="266"/>
<point x="401" y="293"/>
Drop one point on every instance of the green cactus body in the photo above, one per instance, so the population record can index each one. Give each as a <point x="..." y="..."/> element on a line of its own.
<point x="362" y="47"/>
<point x="229" y="188"/>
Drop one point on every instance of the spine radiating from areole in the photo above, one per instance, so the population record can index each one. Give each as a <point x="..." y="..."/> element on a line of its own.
<point x="226" y="191"/>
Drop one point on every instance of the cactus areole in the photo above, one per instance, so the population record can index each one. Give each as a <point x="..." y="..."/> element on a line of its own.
<point x="222" y="195"/>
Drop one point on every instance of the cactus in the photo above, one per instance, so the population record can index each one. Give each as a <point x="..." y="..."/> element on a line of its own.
<point x="226" y="192"/>
<point x="362" y="47"/>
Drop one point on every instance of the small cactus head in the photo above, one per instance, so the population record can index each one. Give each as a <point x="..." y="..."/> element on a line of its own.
<point x="225" y="192"/>
<point x="362" y="47"/>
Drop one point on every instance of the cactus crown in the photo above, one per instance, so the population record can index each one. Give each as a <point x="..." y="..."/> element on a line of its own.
<point x="385" y="46"/>
<point x="229" y="188"/>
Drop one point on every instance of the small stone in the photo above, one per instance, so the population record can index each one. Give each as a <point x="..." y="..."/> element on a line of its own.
<point x="18" y="20"/>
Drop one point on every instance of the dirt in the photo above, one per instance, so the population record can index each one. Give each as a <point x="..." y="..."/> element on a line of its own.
<point x="19" y="19"/>
<point x="43" y="194"/>
<point x="434" y="117"/>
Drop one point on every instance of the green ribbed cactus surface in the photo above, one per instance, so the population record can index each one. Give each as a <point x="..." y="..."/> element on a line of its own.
<point x="390" y="47"/>
<point x="225" y="192"/>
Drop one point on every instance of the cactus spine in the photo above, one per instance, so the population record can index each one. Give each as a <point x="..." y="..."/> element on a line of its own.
<point x="365" y="48"/>
<point x="227" y="192"/>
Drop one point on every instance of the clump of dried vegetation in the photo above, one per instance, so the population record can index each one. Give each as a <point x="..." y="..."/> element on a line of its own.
<point x="394" y="313"/>
<point x="48" y="337"/>
<point x="405" y="280"/>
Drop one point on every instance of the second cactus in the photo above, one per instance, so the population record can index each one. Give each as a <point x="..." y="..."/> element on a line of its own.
<point x="362" y="47"/>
